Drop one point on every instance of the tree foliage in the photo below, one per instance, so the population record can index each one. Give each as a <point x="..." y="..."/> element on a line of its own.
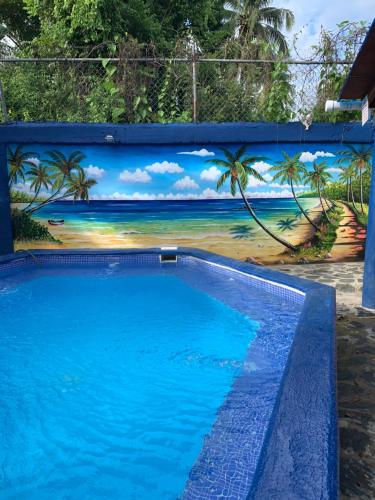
<point x="129" y="92"/>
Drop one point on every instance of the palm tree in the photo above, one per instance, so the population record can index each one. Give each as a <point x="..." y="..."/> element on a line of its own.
<point x="18" y="160"/>
<point x="360" y="159"/>
<point x="63" y="167"/>
<point x="40" y="177"/>
<point x="238" y="171"/>
<point x="288" y="171"/>
<point x="318" y="178"/>
<point x="256" y="27"/>
<point x="80" y="186"/>
<point x="346" y="177"/>
<point x="77" y="188"/>
<point x="258" y="21"/>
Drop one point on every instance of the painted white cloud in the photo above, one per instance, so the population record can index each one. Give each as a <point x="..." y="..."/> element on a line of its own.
<point x="186" y="183"/>
<point x="201" y="152"/>
<point x="253" y="182"/>
<point x="94" y="172"/>
<point x="34" y="160"/>
<point x="164" y="167"/>
<point x="210" y="174"/>
<point x="138" y="176"/>
<point x="307" y="156"/>
<point x="207" y="193"/>
<point x="334" y="170"/>
<point x="24" y="187"/>
<point x="261" y="166"/>
<point x="285" y="193"/>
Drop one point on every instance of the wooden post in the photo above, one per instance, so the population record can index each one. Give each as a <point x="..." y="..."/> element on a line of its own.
<point x="194" y="82"/>
<point x="4" y="111"/>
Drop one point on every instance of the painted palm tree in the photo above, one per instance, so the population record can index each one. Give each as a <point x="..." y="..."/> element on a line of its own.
<point x="63" y="168"/>
<point x="318" y="178"/>
<point x="289" y="171"/>
<point x="346" y="177"/>
<point x="80" y="186"/>
<point x="360" y="159"/>
<point x="40" y="178"/>
<point x="18" y="161"/>
<point x="258" y="21"/>
<point x="77" y="187"/>
<point x="287" y="224"/>
<point x="241" y="232"/>
<point x="298" y="214"/>
<point x="237" y="171"/>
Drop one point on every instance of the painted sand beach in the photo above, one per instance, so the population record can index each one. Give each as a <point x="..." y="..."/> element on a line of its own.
<point x="221" y="226"/>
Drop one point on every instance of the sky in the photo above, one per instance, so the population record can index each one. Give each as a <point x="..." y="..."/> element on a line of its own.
<point x="310" y="15"/>
<point x="182" y="172"/>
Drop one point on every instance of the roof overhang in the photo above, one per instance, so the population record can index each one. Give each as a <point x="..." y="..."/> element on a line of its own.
<point x="361" y="79"/>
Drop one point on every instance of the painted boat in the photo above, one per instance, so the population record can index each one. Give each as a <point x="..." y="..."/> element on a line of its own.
<point x="56" y="222"/>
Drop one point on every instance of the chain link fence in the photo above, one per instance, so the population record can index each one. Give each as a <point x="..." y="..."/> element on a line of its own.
<point x="145" y="90"/>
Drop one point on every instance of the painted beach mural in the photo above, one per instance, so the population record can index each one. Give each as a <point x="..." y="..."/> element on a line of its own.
<point x="266" y="203"/>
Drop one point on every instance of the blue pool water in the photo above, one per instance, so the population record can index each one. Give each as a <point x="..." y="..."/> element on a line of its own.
<point x="110" y="382"/>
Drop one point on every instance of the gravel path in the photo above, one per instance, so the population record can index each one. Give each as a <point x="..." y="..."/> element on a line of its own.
<point x="356" y="375"/>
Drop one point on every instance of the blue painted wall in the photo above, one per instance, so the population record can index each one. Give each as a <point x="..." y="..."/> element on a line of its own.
<point x="368" y="296"/>
<point x="6" y="235"/>
<point x="177" y="134"/>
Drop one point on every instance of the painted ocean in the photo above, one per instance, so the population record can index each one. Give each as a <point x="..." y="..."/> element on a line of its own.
<point x="223" y="226"/>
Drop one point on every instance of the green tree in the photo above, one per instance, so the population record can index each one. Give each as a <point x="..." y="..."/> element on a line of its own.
<point x="289" y="171"/>
<point x="62" y="169"/>
<point x="76" y="23"/>
<point x="18" y="161"/>
<point x="79" y="186"/>
<point x="318" y="178"/>
<point x="260" y="22"/>
<point x="237" y="171"/>
<point x="346" y="177"/>
<point x="40" y="178"/>
<point x="360" y="158"/>
<point x="16" y="24"/>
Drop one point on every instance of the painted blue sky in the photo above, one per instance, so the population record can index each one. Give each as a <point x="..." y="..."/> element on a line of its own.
<point x="181" y="172"/>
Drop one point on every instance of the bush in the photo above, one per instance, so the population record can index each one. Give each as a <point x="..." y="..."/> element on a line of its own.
<point x="27" y="229"/>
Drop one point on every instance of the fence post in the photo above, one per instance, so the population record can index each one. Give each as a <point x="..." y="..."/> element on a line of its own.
<point x="194" y="82"/>
<point x="4" y="111"/>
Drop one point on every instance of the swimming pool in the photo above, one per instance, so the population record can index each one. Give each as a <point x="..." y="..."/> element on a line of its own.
<point x="122" y="376"/>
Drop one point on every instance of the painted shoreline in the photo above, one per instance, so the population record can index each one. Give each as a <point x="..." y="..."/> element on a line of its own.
<point x="215" y="236"/>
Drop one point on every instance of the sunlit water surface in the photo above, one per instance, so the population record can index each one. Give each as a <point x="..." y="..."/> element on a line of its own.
<point x="109" y="384"/>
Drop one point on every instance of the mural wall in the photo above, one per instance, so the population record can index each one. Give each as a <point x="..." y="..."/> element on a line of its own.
<point x="271" y="203"/>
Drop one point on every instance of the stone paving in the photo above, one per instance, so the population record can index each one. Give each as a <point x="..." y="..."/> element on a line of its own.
<point x="356" y="375"/>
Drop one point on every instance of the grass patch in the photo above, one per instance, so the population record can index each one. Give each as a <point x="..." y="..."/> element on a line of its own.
<point x="361" y="218"/>
<point x="27" y="229"/>
<point x="322" y="242"/>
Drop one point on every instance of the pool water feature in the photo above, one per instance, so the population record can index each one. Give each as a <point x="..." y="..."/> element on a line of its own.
<point x="123" y="377"/>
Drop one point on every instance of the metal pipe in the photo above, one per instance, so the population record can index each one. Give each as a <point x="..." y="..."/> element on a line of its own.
<point x="4" y="111"/>
<point x="194" y="78"/>
<point x="347" y="105"/>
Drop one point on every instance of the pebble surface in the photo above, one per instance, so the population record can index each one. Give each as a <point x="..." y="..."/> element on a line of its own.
<point x="355" y="329"/>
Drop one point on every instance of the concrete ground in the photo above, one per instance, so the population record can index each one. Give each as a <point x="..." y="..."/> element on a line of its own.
<point x="356" y="375"/>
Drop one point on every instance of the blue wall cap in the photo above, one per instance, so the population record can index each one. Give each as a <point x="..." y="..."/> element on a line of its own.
<point x="200" y="133"/>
